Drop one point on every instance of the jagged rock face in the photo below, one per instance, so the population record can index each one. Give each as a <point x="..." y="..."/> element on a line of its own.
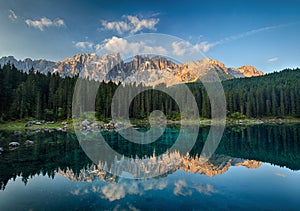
<point x="40" y="65"/>
<point x="92" y="66"/>
<point x="148" y="70"/>
<point x="219" y="65"/>
<point x="249" y="71"/>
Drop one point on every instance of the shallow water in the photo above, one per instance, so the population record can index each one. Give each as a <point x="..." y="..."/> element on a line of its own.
<point x="254" y="167"/>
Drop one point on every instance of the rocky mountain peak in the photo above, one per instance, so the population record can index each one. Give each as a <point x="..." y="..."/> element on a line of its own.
<point x="25" y="65"/>
<point x="219" y="65"/>
<point x="249" y="71"/>
<point x="146" y="69"/>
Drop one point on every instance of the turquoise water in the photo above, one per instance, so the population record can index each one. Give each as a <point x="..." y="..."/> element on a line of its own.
<point x="254" y="167"/>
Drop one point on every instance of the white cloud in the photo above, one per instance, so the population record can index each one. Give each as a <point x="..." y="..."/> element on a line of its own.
<point x="120" y="45"/>
<point x="12" y="15"/>
<point x="119" y="26"/>
<point x="203" y="46"/>
<point x="44" y="22"/>
<point x="155" y="50"/>
<point x="127" y="48"/>
<point x="141" y="24"/>
<point x="131" y="24"/>
<point x="182" y="47"/>
<point x="179" y="48"/>
<point x="59" y="22"/>
<point x="274" y="59"/>
<point x="84" y="45"/>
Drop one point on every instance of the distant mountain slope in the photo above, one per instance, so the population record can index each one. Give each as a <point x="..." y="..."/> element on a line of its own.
<point x="144" y="69"/>
<point x="40" y="65"/>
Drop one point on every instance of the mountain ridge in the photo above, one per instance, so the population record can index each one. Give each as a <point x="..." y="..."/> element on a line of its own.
<point x="145" y="69"/>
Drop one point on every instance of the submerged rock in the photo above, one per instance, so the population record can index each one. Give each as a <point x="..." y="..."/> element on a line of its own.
<point x="14" y="144"/>
<point x="29" y="142"/>
<point x="16" y="133"/>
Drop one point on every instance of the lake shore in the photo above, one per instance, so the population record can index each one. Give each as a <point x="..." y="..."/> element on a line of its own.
<point x="68" y="125"/>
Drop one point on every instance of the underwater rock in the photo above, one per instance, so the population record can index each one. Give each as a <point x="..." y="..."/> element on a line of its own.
<point x="29" y="142"/>
<point x="16" y="133"/>
<point x="14" y="144"/>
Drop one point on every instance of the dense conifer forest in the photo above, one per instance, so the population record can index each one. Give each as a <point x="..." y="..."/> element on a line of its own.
<point x="49" y="97"/>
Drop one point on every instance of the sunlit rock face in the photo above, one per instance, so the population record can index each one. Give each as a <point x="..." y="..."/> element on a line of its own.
<point x="146" y="69"/>
<point x="160" y="166"/>
<point x="249" y="71"/>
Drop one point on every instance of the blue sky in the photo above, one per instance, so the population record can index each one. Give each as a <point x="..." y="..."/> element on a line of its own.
<point x="264" y="34"/>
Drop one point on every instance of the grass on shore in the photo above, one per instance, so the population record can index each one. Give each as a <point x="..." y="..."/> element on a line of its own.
<point x="17" y="125"/>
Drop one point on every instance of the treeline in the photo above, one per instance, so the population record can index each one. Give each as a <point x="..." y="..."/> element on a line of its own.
<point x="34" y="95"/>
<point x="275" y="94"/>
<point x="49" y="97"/>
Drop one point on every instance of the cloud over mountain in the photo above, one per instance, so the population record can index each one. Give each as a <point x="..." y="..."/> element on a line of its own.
<point x="84" y="45"/>
<point x="125" y="47"/>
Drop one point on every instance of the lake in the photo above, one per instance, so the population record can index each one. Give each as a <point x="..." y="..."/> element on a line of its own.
<point x="254" y="167"/>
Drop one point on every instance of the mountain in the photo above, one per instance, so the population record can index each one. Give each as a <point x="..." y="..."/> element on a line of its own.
<point x="144" y="69"/>
<point x="25" y="65"/>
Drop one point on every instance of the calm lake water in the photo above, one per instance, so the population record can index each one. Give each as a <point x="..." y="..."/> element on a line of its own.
<point x="254" y="167"/>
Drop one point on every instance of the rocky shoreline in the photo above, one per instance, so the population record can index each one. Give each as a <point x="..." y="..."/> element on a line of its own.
<point x="87" y="125"/>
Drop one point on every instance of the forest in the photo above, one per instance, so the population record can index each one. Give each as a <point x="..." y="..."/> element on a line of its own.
<point x="49" y="97"/>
